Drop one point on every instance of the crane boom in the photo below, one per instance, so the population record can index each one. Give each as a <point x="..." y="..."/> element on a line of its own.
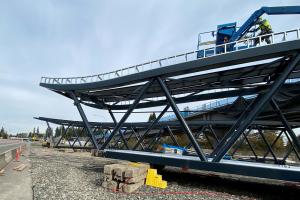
<point x="280" y="10"/>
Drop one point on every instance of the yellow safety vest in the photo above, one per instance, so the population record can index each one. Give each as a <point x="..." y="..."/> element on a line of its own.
<point x="265" y="25"/>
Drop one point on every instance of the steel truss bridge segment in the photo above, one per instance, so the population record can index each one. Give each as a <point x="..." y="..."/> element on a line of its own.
<point x="267" y="82"/>
<point x="203" y="131"/>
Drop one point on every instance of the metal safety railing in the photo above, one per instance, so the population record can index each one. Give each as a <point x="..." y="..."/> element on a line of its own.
<point x="239" y="45"/>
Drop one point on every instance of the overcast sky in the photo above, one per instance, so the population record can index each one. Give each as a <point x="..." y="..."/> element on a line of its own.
<point x="62" y="38"/>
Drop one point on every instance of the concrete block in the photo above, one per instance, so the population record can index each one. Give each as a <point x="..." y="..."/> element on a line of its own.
<point x="136" y="179"/>
<point x="135" y="171"/>
<point x="120" y="172"/>
<point x="109" y="169"/>
<point x="129" y="188"/>
<point x="8" y="156"/>
<point x="111" y="185"/>
<point x="108" y="177"/>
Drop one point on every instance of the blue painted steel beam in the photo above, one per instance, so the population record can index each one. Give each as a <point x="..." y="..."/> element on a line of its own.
<point x="258" y="170"/>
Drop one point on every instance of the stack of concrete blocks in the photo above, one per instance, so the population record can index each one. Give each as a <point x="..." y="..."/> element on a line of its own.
<point x="125" y="177"/>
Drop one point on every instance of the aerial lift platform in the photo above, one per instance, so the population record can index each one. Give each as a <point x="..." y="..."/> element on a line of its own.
<point x="270" y="72"/>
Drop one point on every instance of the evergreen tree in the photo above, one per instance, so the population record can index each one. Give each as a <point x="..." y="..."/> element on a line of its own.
<point x="2" y="132"/>
<point x="49" y="132"/>
<point x="57" y="132"/>
<point x="152" y="117"/>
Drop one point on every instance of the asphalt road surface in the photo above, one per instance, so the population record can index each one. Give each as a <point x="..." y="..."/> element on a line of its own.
<point x="7" y="146"/>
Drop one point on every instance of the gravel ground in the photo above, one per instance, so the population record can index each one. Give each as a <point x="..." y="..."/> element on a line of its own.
<point x="66" y="175"/>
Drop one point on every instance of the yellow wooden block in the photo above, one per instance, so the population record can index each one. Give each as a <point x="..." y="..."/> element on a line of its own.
<point x="149" y="182"/>
<point x="152" y="172"/>
<point x="154" y="179"/>
<point x="156" y="183"/>
<point x="158" y="178"/>
<point x="163" y="184"/>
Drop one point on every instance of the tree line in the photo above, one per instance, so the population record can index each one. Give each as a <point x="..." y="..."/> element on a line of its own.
<point x="3" y="133"/>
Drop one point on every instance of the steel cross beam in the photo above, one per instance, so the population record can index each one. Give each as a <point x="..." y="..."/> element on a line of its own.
<point x="120" y="137"/>
<point x="84" y="119"/>
<point x="182" y="121"/>
<point x="249" y="144"/>
<point x="129" y="111"/>
<point x="172" y="136"/>
<point x="154" y="141"/>
<point x="292" y="148"/>
<point x="138" y="136"/>
<point x="268" y="145"/>
<point x="286" y="124"/>
<point x="254" y="109"/>
<point x="151" y="126"/>
<point x="77" y="137"/>
<point x="197" y="135"/>
<point x="62" y="133"/>
<point x="273" y="143"/>
<point x="120" y="131"/>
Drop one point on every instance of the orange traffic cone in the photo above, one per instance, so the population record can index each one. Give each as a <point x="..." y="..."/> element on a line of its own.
<point x="17" y="155"/>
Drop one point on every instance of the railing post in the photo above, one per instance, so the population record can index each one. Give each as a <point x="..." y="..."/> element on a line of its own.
<point x="284" y="36"/>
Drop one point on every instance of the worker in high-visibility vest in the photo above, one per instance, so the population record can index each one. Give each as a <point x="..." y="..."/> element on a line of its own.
<point x="265" y="28"/>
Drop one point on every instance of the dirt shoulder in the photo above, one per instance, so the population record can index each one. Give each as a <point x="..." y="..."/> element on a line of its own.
<point x="77" y="175"/>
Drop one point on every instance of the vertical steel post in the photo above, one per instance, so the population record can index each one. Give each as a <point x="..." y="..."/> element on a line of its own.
<point x="185" y="127"/>
<point x="129" y="111"/>
<point x="253" y="110"/>
<point x="84" y="119"/>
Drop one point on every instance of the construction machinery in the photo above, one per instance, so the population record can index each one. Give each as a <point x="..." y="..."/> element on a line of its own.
<point x="234" y="33"/>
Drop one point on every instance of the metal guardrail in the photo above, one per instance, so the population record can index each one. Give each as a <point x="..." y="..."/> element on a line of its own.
<point x="239" y="45"/>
